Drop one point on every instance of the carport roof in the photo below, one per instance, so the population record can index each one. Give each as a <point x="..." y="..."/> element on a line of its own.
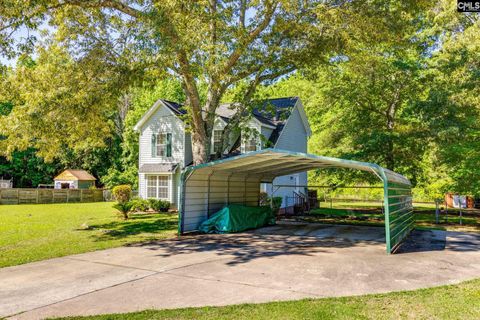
<point x="271" y="163"/>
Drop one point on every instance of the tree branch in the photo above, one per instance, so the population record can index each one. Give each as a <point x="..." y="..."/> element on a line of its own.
<point x="113" y="4"/>
<point x="243" y="10"/>
<point x="232" y="60"/>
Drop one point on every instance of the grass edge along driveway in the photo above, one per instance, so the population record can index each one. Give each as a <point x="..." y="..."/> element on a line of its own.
<point x="41" y="231"/>
<point x="460" y="301"/>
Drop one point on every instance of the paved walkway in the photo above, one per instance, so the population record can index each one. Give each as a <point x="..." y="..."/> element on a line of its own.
<point x="283" y="262"/>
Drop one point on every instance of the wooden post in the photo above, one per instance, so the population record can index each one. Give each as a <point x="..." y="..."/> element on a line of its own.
<point x="38" y="197"/>
<point x="437" y="212"/>
<point x="18" y="196"/>
<point x="81" y="195"/>
<point x="446" y="211"/>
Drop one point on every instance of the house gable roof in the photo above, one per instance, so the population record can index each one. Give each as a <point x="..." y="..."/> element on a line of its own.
<point x="303" y="117"/>
<point x="74" y="175"/>
<point x="273" y="113"/>
<point x="175" y="108"/>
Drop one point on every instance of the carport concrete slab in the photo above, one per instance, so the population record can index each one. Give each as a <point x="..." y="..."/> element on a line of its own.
<point x="282" y="262"/>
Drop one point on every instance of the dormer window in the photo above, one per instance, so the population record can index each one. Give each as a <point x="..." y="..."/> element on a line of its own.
<point x="217" y="141"/>
<point x="162" y="145"/>
<point x="250" y="144"/>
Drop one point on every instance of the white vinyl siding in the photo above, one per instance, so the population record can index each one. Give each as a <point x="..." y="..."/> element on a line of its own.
<point x="162" y="121"/>
<point x="293" y="138"/>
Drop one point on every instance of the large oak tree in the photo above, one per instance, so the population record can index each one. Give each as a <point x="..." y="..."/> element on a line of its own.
<point x="215" y="42"/>
<point x="218" y="43"/>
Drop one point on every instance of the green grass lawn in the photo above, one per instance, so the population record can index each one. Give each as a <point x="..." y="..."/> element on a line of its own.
<point x="370" y="214"/>
<point x="448" y="302"/>
<point x="41" y="231"/>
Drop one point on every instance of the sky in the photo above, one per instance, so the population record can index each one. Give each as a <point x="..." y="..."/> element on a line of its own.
<point x="20" y="34"/>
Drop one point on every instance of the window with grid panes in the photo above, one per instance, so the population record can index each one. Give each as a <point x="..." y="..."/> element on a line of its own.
<point x="157" y="187"/>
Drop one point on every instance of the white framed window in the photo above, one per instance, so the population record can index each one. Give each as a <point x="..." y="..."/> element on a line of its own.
<point x="162" y="145"/>
<point x="158" y="187"/>
<point x="217" y="141"/>
<point x="250" y="144"/>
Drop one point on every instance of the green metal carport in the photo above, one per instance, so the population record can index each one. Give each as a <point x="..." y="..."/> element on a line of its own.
<point x="208" y="187"/>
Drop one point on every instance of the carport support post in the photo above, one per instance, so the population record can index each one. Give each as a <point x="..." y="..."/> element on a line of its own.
<point x="208" y="194"/>
<point x="183" y="188"/>
<point x="387" y="209"/>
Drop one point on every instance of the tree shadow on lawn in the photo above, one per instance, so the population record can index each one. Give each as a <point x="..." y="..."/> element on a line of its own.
<point x="134" y="226"/>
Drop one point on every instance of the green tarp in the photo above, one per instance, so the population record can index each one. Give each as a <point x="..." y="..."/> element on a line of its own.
<point x="237" y="218"/>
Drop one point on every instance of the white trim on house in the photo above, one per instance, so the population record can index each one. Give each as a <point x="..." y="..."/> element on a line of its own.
<point x="151" y="112"/>
<point x="304" y="117"/>
<point x="169" y="175"/>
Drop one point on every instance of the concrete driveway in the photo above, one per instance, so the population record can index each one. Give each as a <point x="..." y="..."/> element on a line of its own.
<point x="282" y="262"/>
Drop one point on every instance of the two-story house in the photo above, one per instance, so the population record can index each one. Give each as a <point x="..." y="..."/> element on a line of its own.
<point x="166" y="147"/>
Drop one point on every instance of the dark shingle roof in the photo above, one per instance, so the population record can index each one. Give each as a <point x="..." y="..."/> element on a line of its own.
<point x="157" y="167"/>
<point x="276" y="109"/>
<point x="276" y="133"/>
<point x="175" y="107"/>
<point x="264" y="120"/>
<point x="271" y="110"/>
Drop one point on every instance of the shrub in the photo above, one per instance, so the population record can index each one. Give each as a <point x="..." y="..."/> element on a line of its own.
<point x="159" y="205"/>
<point x="164" y="206"/>
<point x="124" y="208"/>
<point x="276" y="204"/>
<point x="264" y="199"/>
<point x="122" y="193"/>
<point x="139" y="204"/>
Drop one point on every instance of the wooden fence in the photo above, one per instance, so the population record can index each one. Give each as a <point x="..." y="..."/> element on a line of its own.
<point x="22" y="196"/>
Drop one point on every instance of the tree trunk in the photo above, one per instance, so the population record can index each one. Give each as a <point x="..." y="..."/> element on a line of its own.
<point x="389" y="152"/>
<point x="203" y="127"/>
<point x="199" y="147"/>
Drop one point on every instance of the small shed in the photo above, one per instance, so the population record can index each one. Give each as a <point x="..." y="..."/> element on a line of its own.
<point x="74" y="179"/>
<point x="5" y="184"/>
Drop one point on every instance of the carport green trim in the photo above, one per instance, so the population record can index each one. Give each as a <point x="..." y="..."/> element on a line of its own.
<point x="264" y="165"/>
